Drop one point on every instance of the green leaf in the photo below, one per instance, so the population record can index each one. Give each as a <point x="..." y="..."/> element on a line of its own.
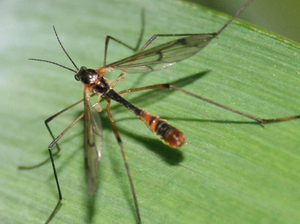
<point x="231" y="170"/>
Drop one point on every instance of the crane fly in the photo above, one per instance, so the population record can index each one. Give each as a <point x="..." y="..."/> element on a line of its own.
<point x="95" y="84"/>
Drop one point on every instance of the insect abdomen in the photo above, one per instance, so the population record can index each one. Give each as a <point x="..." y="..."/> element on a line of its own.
<point x="170" y="135"/>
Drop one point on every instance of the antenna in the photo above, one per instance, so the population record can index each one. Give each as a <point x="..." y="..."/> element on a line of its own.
<point x="54" y="63"/>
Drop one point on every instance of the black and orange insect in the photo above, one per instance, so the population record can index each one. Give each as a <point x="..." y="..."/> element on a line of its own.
<point x="96" y="85"/>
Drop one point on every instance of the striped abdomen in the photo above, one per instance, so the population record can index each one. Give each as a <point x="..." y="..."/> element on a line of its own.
<point x="170" y="135"/>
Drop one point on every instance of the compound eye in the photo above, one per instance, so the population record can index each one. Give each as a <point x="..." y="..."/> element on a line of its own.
<point x="77" y="77"/>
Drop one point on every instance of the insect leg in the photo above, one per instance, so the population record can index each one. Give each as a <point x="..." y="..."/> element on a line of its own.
<point x="52" y="155"/>
<point x="124" y="44"/>
<point x="125" y="162"/>
<point x="170" y="86"/>
<point x="48" y="128"/>
<point x="53" y="143"/>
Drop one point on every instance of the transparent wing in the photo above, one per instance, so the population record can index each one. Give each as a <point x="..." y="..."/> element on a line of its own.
<point x="164" y="55"/>
<point x="93" y="144"/>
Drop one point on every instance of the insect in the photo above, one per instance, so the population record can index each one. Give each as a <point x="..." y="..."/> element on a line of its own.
<point x="96" y="85"/>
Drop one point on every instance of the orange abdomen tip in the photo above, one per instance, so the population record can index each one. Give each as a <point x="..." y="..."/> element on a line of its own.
<point x="170" y="135"/>
<point x="174" y="138"/>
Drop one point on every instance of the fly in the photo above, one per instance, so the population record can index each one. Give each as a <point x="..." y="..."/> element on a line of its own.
<point x="95" y="84"/>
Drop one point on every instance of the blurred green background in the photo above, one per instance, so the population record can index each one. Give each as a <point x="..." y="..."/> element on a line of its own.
<point x="280" y="17"/>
